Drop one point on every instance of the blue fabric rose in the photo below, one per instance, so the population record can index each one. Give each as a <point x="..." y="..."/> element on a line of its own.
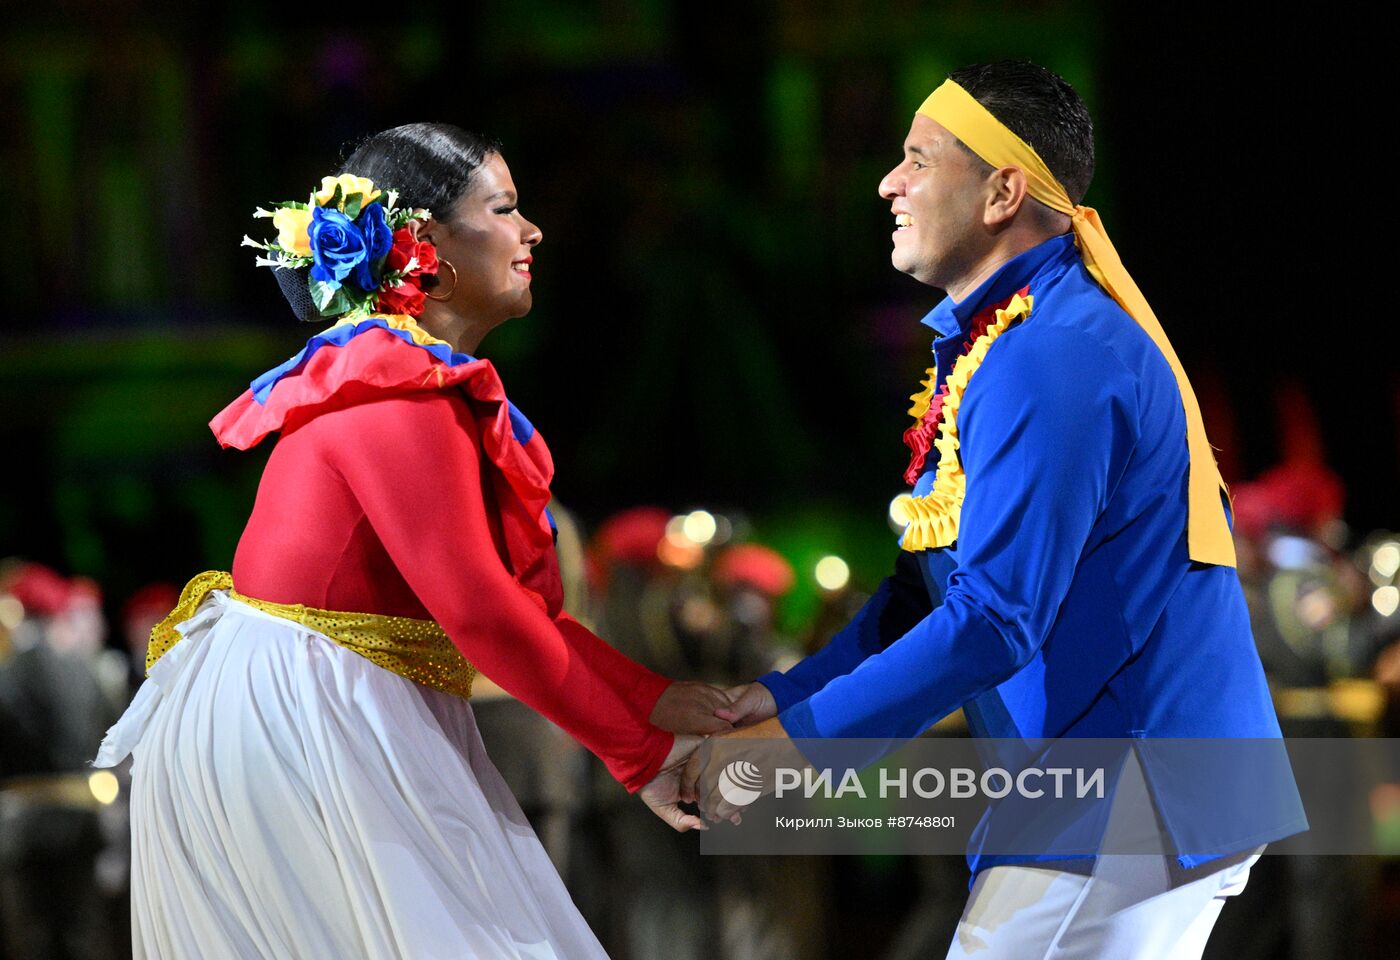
<point x="378" y="238"/>
<point x="337" y="246"/>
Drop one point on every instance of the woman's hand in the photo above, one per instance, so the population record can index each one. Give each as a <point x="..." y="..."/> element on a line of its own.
<point x="662" y="795"/>
<point x="752" y="703"/>
<point x="691" y="707"/>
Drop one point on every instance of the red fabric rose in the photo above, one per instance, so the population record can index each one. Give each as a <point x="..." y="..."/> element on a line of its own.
<point x="405" y="298"/>
<point x="405" y="248"/>
<point x="427" y="260"/>
<point x="402" y="249"/>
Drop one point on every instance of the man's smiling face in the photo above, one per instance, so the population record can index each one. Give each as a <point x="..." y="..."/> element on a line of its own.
<point x="936" y="195"/>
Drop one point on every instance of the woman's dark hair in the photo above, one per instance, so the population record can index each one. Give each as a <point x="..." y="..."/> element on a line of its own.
<point x="1042" y="109"/>
<point x="431" y="165"/>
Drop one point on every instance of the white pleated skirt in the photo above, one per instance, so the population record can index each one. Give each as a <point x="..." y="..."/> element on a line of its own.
<point x="293" y="801"/>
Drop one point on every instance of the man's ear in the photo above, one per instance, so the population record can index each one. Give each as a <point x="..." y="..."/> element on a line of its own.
<point x="1006" y="194"/>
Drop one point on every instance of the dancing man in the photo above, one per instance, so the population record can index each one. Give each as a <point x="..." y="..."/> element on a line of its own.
<point x="1067" y="569"/>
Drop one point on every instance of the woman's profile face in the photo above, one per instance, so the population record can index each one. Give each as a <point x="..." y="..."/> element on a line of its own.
<point x="490" y="245"/>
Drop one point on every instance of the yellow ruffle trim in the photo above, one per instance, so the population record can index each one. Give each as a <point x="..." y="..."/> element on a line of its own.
<point x="399" y="321"/>
<point x="924" y="397"/>
<point x="402" y="321"/>
<point x="418" y="650"/>
<point x="932" y="520"/>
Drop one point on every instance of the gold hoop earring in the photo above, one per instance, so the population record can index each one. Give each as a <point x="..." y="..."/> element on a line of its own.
<point x="448" y="295"/>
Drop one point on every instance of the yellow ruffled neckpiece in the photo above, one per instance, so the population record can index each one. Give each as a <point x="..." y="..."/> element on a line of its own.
<point x="932" y="520"/>
<point x="418" y="650"/>
<point x="924" y="398"/>
<point x="397" y="321"/>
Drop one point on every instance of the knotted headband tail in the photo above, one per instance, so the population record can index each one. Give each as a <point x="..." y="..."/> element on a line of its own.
<point x="1207" y="532"/>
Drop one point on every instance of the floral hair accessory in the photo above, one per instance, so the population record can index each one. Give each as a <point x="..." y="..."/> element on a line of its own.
<point x="356" y="240"/>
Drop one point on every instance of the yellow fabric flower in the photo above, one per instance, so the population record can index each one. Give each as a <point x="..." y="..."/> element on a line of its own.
<point x="348" y="183"/>
<point x="292" y="230"/>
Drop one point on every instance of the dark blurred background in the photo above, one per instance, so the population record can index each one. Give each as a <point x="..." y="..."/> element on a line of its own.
<point x="716" y="321"/>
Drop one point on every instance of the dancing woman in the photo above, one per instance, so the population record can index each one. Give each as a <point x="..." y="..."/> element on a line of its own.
<point x="308" y="780"/>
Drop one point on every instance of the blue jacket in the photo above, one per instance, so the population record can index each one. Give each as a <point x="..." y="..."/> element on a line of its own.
<point x="1068" y="607"/>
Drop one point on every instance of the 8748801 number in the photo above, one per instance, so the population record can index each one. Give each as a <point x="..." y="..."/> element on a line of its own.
<point x="927" y="823"/>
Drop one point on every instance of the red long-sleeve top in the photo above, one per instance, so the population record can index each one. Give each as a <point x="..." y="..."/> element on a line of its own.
<point x="408" y="500"/>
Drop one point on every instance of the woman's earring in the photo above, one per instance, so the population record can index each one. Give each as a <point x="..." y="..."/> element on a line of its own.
<point x="448" y="295"/>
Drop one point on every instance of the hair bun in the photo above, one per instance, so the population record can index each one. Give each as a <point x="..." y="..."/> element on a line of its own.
<point x="293" y="282"/>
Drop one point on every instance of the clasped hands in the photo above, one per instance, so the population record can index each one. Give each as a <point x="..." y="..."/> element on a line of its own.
<point x="743" y="717"/>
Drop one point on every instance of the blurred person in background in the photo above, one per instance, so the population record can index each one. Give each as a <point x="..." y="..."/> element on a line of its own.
<point x="82" y="632"/>
<point x="770" y="908"/>
<point x="1317" y="636"/>
<point x="705" y="609"/>
<point x="657" y="899"/>
<point x="752" y="580"/>
<point x="1309" y="605"/>
<point x="308" y="777"/>
<point x="633" y="586"/>
<point x="144" y="609"/>
<point x="1380" y="558"/>
<point x="52" y="711"/>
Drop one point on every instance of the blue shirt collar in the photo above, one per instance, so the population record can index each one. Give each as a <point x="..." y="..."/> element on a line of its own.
<point x="951" y="319"/>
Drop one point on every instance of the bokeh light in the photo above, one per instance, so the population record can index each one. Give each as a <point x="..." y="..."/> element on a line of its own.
<point x="832" y="573"/>
<point x="104" y="786"/>
<point x="700" y="526"/>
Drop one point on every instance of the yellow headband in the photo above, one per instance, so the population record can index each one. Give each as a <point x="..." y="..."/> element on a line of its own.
<point x="1208" y="535"/>
<point x="986" y="136"/>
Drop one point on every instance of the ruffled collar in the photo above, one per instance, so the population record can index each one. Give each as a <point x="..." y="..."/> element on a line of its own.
<point x="403" y="327"/>
<point x="355" y="362"/>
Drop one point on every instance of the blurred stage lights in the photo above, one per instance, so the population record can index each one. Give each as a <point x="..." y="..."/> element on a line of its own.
<point x="11" y="612"/>
<point x="104" y="786"/>
<point x="1385" y="562"/>
<point x="700" y="526"/>
<point x="898" y="520"/>
<point x="679" y="551"/>
<point x="687" y="536"/>
<point x="832" y="573"/>
<point x="1386" y="600"/>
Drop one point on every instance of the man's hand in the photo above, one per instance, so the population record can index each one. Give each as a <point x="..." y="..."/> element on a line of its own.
<point x="765" y="745"/>
<point x="752" y="703"/>
<point x="663" y="793"/>
<point x="691" y="707"/>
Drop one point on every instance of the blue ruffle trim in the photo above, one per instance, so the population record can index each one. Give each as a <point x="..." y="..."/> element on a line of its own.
<point x="339" y="336"/>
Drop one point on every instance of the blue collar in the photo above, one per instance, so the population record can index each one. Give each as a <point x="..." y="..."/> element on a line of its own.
<point x="955" y="319"/>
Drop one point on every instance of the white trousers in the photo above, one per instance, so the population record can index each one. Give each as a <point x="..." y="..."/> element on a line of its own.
<point x="1130" y="907"/>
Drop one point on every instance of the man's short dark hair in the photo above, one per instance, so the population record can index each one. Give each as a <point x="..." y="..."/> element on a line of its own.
<point x="1042" y="109"/>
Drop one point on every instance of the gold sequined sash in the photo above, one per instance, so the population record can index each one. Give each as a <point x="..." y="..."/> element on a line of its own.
<point x="418" y="650"/>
